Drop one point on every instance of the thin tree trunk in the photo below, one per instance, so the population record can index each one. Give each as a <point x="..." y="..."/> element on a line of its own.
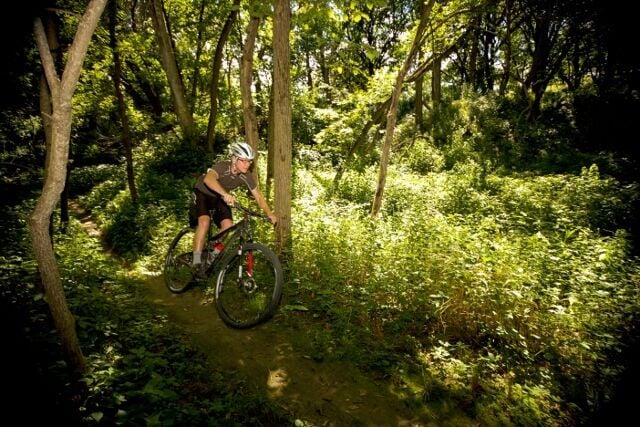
<point x="324" y="70"/>
<point x="62" y="90"/>
<point x="436" y="83"/>
<point x="504" y="81"/>
<point x="170" y="65"/>
<point x="270" y="145"/>
<point x="51" y="29"/>
<point x="215" y="74"/>
<point x="246" y="69"/>
<point x="282" y="124"/>
<point x="196" y="68"/>
<point x="122" y="107"/>
<point x="418" y="104"/>
<point x="393" y="108"/>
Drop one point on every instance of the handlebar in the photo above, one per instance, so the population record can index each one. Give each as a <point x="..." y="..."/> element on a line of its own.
<point x="250" y="212"/>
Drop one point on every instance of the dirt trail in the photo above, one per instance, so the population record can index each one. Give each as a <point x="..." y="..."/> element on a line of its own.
<point x="318" y="393"/>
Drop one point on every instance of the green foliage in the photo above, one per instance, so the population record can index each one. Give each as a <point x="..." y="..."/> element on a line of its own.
<point x="140" y="369"/>
<point x="84" y="179"/>
<point x="519" y="274"/>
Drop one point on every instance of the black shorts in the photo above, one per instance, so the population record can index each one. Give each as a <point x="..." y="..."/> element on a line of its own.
<point x="205" y="203"/>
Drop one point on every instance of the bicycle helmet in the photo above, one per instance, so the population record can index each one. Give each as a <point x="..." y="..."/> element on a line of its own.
<point x="241" y="150"/>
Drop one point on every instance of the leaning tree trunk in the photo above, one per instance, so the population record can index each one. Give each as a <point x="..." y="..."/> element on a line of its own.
<point x="122" y="107"/>
<point x="282" y="125"/>
<point x="246" y="69"/>
<point x="436" y="83"/>
<point x="62" y="90"/>
<point x="51" y="30"/>
<point x="170" y="65"/>
<point x="393" y="108"/>
<point x="215" y="74"/>
<point x="199" y="45"/>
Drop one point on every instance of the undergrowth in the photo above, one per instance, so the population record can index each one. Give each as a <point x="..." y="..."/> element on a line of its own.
<point x="141" y="369"/>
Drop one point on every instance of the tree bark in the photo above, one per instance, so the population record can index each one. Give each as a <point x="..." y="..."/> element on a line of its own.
<point x="504" y="81"/>
<point x="436" y="82"/>
<point x="215" y="74"/>
<point x="196" y="69"/>
<point x="282" y="124"/>
<point x="246" y="70"/>
<point x="170" y="65"/>
<point x="418" y="104"/>
<point x="62" y="90"/>
<point x="122" y="107"/>
<point x="393" y="108"/>
<point x="51" y="30"/>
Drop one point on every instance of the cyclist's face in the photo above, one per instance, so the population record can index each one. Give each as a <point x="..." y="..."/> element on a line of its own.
<point x="243" y="165"/>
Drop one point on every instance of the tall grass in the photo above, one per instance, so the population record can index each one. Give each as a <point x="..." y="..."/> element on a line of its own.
<point x="519" y="291"/>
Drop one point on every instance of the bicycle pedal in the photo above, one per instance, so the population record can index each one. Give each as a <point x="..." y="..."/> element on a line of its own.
<point x="198" y="271"/>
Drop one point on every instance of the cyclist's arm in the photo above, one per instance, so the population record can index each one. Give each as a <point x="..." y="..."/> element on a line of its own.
<point x="263" y="205"/>
<point x="211" y="181"/>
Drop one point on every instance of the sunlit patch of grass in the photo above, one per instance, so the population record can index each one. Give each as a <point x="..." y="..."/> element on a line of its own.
<point x="512" y="266"/>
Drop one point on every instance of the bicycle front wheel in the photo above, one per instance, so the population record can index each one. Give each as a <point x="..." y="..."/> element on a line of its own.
<point x="177" y="264"/>
<point x="249" y="286"/>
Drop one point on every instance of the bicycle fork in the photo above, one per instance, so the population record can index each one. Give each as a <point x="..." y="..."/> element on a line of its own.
<point x="249" y="269"/>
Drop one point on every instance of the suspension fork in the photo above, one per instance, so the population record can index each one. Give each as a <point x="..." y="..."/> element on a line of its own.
<point x="241" y="264"/>
<point x="249" y="270"/>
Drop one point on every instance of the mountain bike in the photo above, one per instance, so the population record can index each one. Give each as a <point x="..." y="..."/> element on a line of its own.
<point x="249" y="280"/>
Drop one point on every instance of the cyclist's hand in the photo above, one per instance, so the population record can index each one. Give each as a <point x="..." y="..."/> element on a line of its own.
<point x="229" y="199"/>
<point x="273" y="219"/>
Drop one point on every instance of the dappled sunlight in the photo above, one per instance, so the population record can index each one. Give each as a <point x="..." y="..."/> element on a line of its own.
<point x="277" y="381"/>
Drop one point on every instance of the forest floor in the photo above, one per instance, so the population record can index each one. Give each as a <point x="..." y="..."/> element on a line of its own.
<point x="317" y="393"/>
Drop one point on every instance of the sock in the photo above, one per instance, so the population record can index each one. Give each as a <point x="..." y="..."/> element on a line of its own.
<point x="197" y="255"/>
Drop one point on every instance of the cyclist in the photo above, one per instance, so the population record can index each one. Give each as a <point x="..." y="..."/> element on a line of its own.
<point x="212" y="191"/>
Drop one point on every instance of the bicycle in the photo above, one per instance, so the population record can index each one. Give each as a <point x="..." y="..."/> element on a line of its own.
<point x="249" y="283"/>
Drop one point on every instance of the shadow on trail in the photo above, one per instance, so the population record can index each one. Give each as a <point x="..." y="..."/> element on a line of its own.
<point x="318" y="393"/>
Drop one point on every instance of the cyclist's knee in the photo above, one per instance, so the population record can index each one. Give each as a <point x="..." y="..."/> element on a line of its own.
<point x="225" y="223"/>
<point x="204" y="221"/>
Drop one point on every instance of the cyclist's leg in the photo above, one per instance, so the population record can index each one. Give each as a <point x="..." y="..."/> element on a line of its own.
<point x="222" y="216"/>
<point x="203" y="204"/>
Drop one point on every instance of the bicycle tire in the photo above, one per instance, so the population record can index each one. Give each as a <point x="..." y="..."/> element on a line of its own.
<point x="178" y="274"/>
<point x="243" y="299"/>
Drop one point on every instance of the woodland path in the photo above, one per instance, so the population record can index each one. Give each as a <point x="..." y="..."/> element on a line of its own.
<point x="318" y="393"/>
<point x="324" y="393"/>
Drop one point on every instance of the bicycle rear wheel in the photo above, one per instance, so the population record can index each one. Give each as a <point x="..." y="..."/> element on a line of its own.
<point x="249" y="286"/>
<point x="177" y="265"/>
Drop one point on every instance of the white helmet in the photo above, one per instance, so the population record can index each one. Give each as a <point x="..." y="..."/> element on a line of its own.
<point x="241" y="150"/>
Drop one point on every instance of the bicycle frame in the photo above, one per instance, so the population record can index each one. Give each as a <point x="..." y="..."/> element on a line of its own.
<point x="233" y="237"/>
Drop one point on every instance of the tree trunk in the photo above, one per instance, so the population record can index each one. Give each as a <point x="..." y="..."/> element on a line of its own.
<point x="393" y="108"/>
<point x="196" y="68"/>
<point x="215" y="74"/>
<point x="51" y="29"/>
<point x="504" y="81"/>
<point x="418" y="104"/>
<point x="170" y="65"/>
<point x="270" y="145"/>
<point x="472" y="65"/>
<point x="122" y="107"/>
<point x="436" y="82"/>
<point x="246" y="69"/>
<point x="282" y="124"/>
<point x="55" y="173"/>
